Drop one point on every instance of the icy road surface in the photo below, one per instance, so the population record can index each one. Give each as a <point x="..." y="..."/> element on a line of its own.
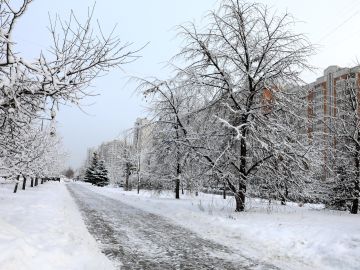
<point x="135" y="239"/>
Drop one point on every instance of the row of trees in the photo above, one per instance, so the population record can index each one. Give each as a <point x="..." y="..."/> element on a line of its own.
<point x="32" y="90"/>
<point x="235" y="115"/>
<point x="232" y="113"/>
<point x="342" y="136"/>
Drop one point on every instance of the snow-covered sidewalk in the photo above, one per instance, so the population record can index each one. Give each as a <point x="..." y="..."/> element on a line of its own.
<point x="290" y="237"/>
<point x="41" y="228"/>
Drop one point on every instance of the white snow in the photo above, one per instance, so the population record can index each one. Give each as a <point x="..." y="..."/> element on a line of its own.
<point x="41" y="229"/>
<point x="290" y="237"/>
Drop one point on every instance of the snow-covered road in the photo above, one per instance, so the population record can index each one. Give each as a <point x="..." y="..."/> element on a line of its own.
<point x="136" y="239"/>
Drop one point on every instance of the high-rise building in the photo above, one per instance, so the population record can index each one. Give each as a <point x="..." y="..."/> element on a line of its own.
<point x="142" y="133"/>
<point x="142" y="143"/>
<point x="327" y="103"/>
<point x="111" y="152"/>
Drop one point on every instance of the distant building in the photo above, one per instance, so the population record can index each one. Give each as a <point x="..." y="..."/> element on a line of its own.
<point x="133" y="147"/>
<point x="89" y="155"/>
<point x="142" y="133"/>
<point x="111" y="153"/>
<point x="325" y="106"/>
<point x="142" y="142"/>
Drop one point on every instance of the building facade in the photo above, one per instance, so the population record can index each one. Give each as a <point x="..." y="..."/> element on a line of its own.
<point x="329" y="103"/>
<point x="142" y="133"/>
<point x="111" y="153"/>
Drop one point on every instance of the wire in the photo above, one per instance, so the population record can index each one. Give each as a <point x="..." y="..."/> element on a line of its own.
<point x="339" y="26"/>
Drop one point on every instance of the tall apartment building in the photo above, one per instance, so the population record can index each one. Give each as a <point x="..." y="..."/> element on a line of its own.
<point x="142" y="133"/>
<point x="326" y="105"/>
<point x="111" y="153"/>
<point x="142" y="143"/>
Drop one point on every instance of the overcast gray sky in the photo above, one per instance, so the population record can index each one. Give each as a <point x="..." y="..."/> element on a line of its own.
<point x="332" y="24"/>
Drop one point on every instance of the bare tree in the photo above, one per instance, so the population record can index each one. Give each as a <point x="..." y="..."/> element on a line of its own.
<point x="344" y="136"/>
<point x="171" y="141"/>
<point x="78" y="55"/>
<point x="33" y="89"/>
<point x="246" y="59"/>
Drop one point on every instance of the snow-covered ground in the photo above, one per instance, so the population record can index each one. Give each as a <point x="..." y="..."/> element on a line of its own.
<point x="290" y="237"/>
<point x="42" y="229"/>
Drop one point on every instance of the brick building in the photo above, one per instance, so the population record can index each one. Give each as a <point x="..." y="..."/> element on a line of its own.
<point x="327" y="103"/>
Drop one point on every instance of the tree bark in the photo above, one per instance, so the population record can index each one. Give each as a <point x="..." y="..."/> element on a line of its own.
<point x="355" y="203"/>
<point x="17" y="183"/>
<point x="355" y="206"/>
<point x="240" y="201"/>
<point x="240" y="195"/>
<point x="177" y="188"/>
<point x="24" y="183"/>
<point x="127" y="172"/>
<point x="36" y="181"/>
<point x="138" y="176"/>
<point x="16" y="187"/>
<point x="224" y="191"/>
<point x="285" y="195"/>
<point x="32" y="182"/>
<point x="177" y="182"/>
<point x="138" y="183"/>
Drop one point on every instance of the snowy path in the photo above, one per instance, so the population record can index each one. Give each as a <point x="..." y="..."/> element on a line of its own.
<point x="140" y="240"/>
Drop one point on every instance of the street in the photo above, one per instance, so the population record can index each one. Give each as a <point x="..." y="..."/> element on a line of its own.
<point x="135" y="239"/>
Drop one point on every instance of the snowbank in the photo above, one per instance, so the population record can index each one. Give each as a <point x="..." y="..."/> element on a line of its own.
<point x="41" y="229"/>
<point x="290" y="237"/>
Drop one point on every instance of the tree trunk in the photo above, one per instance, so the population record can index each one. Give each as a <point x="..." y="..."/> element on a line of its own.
<point x="177" y="188"/>
<point x="177" y="182"/>
<point x="127" y="172"/>
<point x="17" y="183"/>
<point x="36" y="181"/>
<point x="285" y="195"/>
<point x="16" y="187"/>
<point x="32" y="182"/>
<point x="138" y="176"/>
<point x="224" y="191"/>
<point x="355" y="206"/>
<point x="178" y="168"/>
<point x="138" y="183"/>
<point x="240" y="194"/>
<point x="42" y="181"/>
<point x="24" y="183"/>
<point x="355" y="202"/>
<point x="356" y="192"/>
<point x="240" y="201"/>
